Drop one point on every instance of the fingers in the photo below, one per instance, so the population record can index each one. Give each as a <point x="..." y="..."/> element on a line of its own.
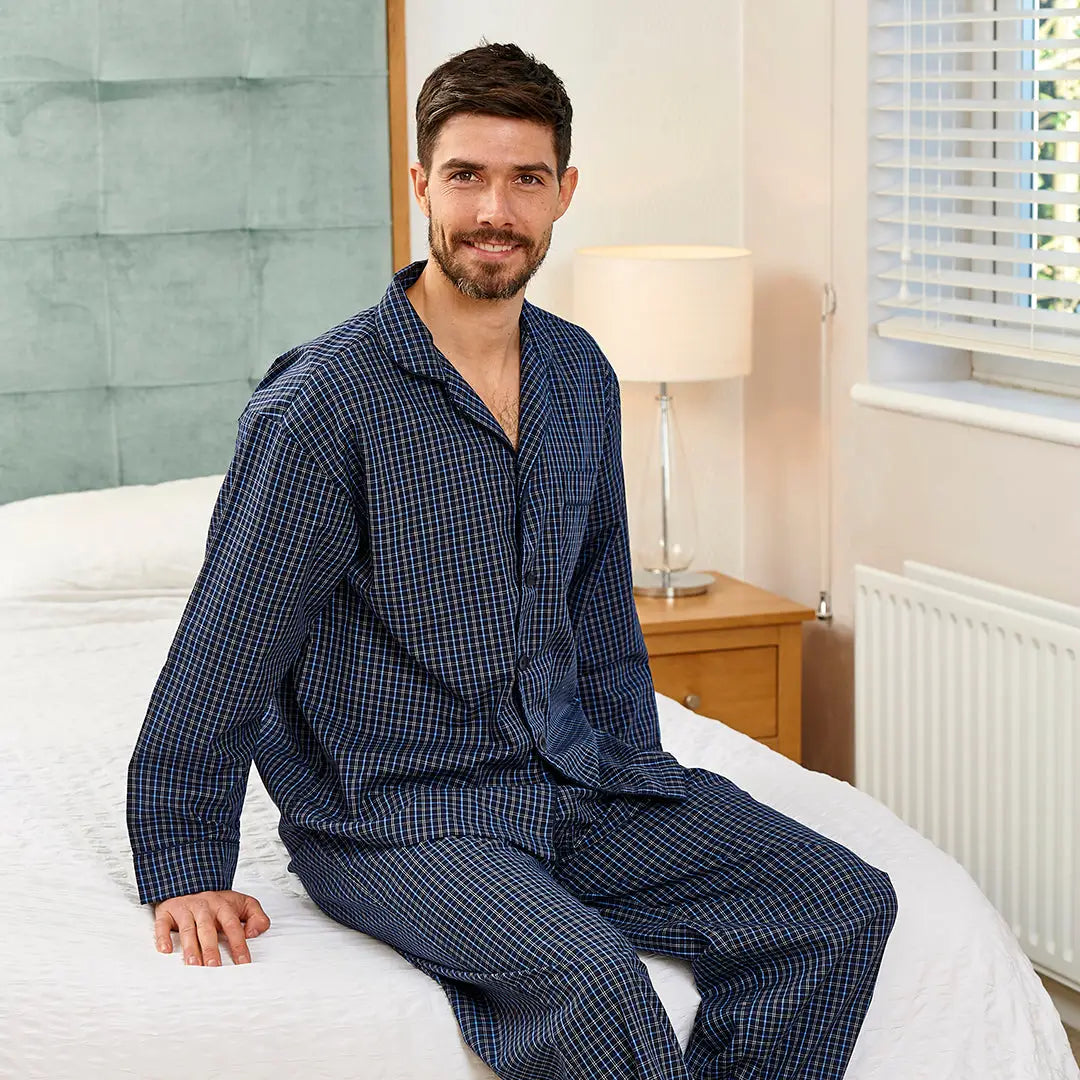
<point x="234" y="931"/>
<point x="197" y="918"/>
<point x="163" y="928"/>
<point x="198" y="931"/>
<point x="189" y="936"/>
<point x="256" y="921"/>
<point x="208" y="936"/>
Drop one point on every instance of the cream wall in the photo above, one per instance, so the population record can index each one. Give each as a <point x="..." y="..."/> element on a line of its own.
<point x="995" y="505"/>
<point x="787" y="69"/>
<point x="657" y="139"/>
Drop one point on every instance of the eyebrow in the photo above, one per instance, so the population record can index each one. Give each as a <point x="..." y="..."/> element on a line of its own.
<point x="459" y="163"/>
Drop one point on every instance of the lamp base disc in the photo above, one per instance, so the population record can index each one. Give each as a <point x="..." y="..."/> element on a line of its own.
<point x="679" y="583"/>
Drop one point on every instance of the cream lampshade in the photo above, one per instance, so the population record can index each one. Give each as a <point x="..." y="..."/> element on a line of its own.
<point x="667" y="313"/>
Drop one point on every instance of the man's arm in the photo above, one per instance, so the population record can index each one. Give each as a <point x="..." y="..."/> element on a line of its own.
<point x="614" y="680"/>
<point x="281" y="535"/>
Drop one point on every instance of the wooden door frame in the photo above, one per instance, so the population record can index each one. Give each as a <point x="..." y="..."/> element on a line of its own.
<point x="399" y="133"/>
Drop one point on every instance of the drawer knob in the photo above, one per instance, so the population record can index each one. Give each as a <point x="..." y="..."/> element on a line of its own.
<point x="692" y="701"/>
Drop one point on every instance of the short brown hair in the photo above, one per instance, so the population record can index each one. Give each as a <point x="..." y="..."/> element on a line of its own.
<point x="493" y="80"/>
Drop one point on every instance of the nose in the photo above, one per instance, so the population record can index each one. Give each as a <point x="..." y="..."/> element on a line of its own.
<point x="494" y="207"/>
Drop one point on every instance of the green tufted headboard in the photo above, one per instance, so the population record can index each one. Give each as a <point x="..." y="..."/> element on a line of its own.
<point x="187" y="188"/>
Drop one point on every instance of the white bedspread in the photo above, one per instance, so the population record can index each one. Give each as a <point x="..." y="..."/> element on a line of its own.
<point x="84" y="994"/>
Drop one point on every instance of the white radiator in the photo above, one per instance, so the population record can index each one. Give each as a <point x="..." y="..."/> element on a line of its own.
<point x="967" y="726"/>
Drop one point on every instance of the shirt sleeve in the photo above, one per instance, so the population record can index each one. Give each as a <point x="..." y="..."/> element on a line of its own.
<point x="281" y="536"/>
<point x="614" y="679"/>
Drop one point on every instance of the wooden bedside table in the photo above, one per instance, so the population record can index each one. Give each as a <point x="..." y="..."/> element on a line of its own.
<point x="733" y="653"/>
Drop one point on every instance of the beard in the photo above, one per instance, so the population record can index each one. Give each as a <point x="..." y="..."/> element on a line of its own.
<point x="485" y="281"/>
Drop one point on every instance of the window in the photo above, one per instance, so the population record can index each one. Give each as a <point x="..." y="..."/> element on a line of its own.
<point x="975" y="191"/>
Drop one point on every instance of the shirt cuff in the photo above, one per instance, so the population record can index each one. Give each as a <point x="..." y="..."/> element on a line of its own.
<point x="201" y="866"/>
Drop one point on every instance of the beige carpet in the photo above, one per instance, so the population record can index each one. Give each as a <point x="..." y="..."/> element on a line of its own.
<point x="1074" y="1042"/>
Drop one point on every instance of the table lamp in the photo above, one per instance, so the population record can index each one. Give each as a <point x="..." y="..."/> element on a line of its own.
<point x="667" y="313"/>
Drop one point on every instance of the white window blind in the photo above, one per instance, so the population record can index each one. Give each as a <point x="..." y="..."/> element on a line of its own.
<point x="975" y="185"/>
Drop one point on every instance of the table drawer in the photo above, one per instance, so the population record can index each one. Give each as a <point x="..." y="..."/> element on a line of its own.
<point x="737" y="686"/>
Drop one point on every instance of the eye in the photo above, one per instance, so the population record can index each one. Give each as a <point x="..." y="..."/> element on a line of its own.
<point x="464" y="172"/>
<point x="530" y="176"/>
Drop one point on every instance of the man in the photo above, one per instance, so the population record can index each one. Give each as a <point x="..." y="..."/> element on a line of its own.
<point x="416" y="614"/>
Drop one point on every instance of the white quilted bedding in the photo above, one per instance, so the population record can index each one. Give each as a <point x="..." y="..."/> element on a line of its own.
<point x="84" y="994"/>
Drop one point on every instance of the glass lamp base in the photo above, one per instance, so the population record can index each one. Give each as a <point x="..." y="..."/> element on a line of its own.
<point x="673" y="583"/>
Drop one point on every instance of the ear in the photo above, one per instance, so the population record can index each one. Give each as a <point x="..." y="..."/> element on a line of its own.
<point x="567" y="187"/>
<point x="420" y="186"/>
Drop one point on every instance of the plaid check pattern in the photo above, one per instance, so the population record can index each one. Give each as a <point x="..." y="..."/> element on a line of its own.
<point x="427" y="643"/>
<point x="536" y="946"/>
<point x="399" y="616"/>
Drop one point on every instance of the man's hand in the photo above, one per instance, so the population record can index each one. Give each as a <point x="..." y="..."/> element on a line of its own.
<point x="199" y="916"/>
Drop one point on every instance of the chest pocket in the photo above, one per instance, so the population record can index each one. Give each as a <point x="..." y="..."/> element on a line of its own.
<point x="575" y="488"/>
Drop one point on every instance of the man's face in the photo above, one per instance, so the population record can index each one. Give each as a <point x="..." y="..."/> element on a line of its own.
<point x="492" y="182"/>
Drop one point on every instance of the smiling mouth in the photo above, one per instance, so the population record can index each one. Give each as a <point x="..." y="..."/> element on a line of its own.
<point x="489" y="248"/>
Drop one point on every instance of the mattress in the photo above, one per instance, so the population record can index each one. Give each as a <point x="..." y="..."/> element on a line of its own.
<point x="85" y="995"/>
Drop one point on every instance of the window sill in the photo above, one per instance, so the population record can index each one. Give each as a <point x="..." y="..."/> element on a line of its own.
<point x="1050" y="417"/>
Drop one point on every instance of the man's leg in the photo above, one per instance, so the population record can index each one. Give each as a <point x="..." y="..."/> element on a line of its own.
<point x="541" y="985"/>
<point x="784" y="928"/>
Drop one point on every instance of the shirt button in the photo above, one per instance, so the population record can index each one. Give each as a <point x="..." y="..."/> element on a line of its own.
<point x="531" y="578"/>
<point x="523" y="662"/>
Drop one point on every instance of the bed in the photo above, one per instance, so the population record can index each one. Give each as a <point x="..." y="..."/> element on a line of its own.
<point x="92" y="585"/>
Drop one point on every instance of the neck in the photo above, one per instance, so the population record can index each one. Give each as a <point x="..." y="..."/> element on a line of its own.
<point x="479" y="332"/>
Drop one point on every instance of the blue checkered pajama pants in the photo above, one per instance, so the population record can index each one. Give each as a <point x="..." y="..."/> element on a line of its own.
<point x="784" y="930"/>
